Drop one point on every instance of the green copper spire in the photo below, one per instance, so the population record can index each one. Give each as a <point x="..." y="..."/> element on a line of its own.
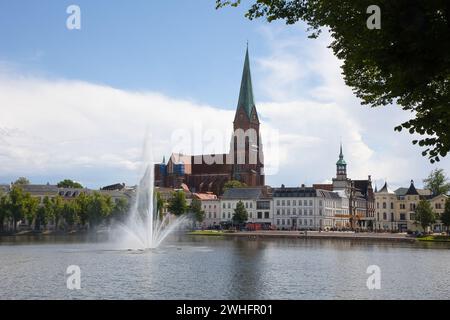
<point x="341" y="158"/>
<point x="246" y="94"/>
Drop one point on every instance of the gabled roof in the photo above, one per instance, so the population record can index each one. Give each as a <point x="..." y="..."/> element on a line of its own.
<point x="246" y="100"/>
<point x="242" y="193"/>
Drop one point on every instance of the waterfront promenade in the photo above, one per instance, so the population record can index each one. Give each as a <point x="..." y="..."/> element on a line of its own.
<point x="400" y="237"/>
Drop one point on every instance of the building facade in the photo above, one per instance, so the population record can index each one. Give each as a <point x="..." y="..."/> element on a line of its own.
<point x="306" y="208"/>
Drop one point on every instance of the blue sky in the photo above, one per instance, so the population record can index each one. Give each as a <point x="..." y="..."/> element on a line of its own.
<point x="76" y="103"/>
<point x="185" y="49"/>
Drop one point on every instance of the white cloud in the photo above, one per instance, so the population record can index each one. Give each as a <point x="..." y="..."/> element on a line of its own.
<point x="53" y="129"/>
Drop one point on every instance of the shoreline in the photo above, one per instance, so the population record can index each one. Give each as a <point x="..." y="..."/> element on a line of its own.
<point x="325" y="235"/>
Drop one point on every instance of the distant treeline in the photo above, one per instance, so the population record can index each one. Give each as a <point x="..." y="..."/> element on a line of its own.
<point x="56" y="213"/>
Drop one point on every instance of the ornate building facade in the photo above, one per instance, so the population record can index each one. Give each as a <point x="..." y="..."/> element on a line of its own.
<point x="244" y="162"/>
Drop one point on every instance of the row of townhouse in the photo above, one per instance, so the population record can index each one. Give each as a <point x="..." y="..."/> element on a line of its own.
<point x="282" y="208"/>
<point x="395" y="210"/>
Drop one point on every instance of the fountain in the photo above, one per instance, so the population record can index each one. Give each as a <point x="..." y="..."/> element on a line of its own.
<point x="146" y="228"/>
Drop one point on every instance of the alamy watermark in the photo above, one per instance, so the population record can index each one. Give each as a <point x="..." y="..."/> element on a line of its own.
<point x="374" y="280"/>
<point x="73" y="281"/>
<point x="73" y="21"/>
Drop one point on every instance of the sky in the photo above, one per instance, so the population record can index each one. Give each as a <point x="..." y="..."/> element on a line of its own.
<point x="79" y="104"/>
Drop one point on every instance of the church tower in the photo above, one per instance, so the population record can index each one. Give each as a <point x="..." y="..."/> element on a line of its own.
<point x="341" y="182"/>
<point x="248" y="163"/>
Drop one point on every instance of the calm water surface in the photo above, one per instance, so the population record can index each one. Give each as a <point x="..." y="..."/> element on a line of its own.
<point x="194" y="267"/>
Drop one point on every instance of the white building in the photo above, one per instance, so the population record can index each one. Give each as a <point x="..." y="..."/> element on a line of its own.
<point x="305" y="208"/>
<point x="256" y="201"/>
<point x="211" y="207"/>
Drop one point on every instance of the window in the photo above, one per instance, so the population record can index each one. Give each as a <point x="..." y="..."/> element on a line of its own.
<point x="305" y="222"/>
<point x="310" y="222"/>
<point x="294" y="211"/>
<point x="412" y="206"/>
<point x="250" y="215"/>
<point x="384" y="216"/>
<point x="288" y="211"/>
<point x="378" y="205"/>
<point x="310" y="212"/>
<point x="300" y="221"/>
<point x="402" y="206"/>
<point x="278" y="221"/>
<point x="282" y="212"/>
<point x="288" y="222"/>
<point x="229" y="215"/>
<point x="310" y="203"/>
<point x="246" y="205"/>
<point x="224" y="206"/>
<point x="300" y="212"/>
<point x="320" y="212"/>
<point x="278" y="202"/>
<point x="260" y="215"/>
<point x="251" y="205"/>
<point x="229" y="205"/>
<point x="282" y="202"/>
<point x="384" y="205"/>
<point x="305" y="202"/>
<point x="223" y="215"/>
<point x="278" y="212"/>
<point x="294" y="202"/>
<point x="209" y="215"/>
<point x="438" y="206"/>
<point x="392" y="206"/>
<point x="266" y="215"/>
<point x="215" y="216"/>
<point x="288" y="202"/>
<point x="282" y="222"/>
<point x="402" y="216"/>
<point x="320" y="203"/>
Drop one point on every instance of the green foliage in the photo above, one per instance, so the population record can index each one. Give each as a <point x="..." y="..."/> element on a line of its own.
<point x="233" y="184"/>
<point x="177" y="204"/>
<point x="159" y="204"/>
<point x="424" y="214"/>
<point x="99" y="208"/>
<point x="120" y="209"/>
<point x="67" y="183"/>
<point x="437" y="182"/>
<point x="4" y="209"/>
<point x="405" y="62"/>
<point x="445" y="217"/>
<point x="16" y="205"/>
<point x="196" y="209"/>
<point x="240" y="214"/>
<point x="22" y="181"/>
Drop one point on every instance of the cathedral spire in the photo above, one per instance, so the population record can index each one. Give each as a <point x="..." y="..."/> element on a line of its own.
<point x="246" y="100"/>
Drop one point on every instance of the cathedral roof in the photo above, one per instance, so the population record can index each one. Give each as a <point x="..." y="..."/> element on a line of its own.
<point x="246" y="100"/>
<point x="412" y="190"/>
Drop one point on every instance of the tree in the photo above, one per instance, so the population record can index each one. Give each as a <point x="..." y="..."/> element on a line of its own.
<point x="46" y="214"/>
<point x="16" y="205"/>
<point x="83" y="205"/>
<point x="31" y="206"/>
<point x="120" y="209"/>
<point x="233" y="184"/>
<point x="177" y="203"/>
<point x="424" y="214"/>
<point x="70" y="213"/>
<point x="57" y="205"/>
<point x="240" y="214"/>
<point x="99" y="208"/>
<point x="445" y="217"/>
<point x="67" y="183"/>
<point x="21" y="181"/>
<point x="4" y="210"/>
<point x="437" y="182"/>
<point x="159" y="204"/>
<point x="406" y="61"/>
<point x="196" y="209"/>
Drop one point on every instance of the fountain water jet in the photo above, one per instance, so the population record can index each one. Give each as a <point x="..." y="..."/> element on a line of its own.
<point x="145" y="227"/>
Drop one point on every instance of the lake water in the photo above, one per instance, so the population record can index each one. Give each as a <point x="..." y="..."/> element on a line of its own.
<point x="197" y="267"/>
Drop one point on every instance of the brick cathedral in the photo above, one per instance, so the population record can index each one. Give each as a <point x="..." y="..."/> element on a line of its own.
<point x="244" y="162"/>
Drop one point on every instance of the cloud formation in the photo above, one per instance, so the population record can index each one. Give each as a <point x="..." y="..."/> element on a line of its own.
<point x="52" y="129"/>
